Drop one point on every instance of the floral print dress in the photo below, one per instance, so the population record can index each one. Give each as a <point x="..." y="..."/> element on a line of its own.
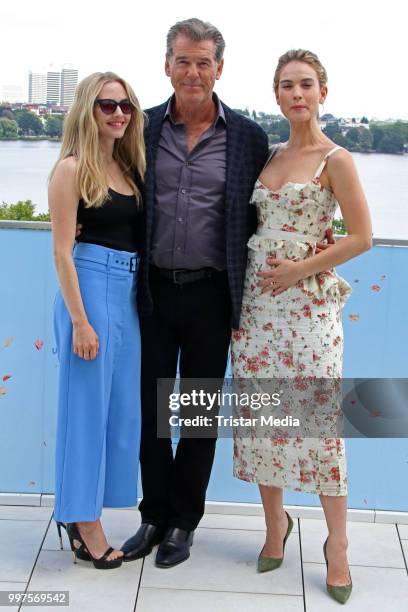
<point x="296" y="335"/>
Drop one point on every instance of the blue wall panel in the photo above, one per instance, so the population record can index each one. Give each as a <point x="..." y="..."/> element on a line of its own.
<point x="27" y="281"/>
<point x="376" y="340"/>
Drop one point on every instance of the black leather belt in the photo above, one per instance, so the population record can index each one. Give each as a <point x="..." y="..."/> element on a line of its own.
<point x="181" y="277"/>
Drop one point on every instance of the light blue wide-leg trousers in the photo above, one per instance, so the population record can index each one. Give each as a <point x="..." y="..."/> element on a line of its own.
<point x="98" y="425"/>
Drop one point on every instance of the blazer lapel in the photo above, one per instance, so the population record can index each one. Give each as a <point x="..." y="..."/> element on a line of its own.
<point x="152" y="137"/>
<point x="234" y="159"/>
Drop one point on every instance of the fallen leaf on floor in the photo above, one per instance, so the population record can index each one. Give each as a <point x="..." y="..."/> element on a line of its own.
<point x="3" y="390"/>
<point x="38" y="344"/>
<point x="354" y="317"/>
<point x="6" y="377"/>
<point x="382" y="277"/>
<point x="8" y="341"/>
<point x="376" y="287"/>
<point x="375" y="413"/>
<point x="31" y="482"/>
<point x="356" y="280"/>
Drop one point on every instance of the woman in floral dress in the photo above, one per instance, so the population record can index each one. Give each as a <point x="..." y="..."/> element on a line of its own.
<point x="290" y="326"/>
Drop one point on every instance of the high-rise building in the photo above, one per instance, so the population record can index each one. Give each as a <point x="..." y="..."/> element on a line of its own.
<point x="53" y="86"/>
<point x="69" y="82"/>
<point x="37" y="88"/>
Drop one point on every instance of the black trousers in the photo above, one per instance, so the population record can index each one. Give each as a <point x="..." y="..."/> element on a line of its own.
<point x="191" y="322"/>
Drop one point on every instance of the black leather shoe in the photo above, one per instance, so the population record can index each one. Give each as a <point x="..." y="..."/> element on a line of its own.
<point x="142" y="542"/>
<point x="174" y="548"/>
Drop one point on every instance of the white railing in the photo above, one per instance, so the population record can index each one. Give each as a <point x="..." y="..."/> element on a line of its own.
<point x="46" y="225"/>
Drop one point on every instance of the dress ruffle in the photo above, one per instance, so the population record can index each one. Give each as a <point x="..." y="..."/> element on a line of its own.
<point x="328" y="283"/>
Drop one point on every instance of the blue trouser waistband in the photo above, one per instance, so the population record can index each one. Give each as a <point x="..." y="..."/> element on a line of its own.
<point x="111" y="258"/>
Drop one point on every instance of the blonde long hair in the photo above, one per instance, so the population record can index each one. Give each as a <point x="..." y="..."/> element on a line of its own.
<point x="81" y="140"/>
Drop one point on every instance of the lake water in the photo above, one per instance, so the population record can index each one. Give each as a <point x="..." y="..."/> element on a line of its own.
<point x="24" y="168"/>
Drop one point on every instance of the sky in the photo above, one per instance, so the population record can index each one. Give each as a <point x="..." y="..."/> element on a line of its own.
<point x="361" y="45"/>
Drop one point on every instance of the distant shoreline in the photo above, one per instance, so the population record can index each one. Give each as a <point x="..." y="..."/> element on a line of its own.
<point x="50" y="139"/>
<point x="34" y="138"/>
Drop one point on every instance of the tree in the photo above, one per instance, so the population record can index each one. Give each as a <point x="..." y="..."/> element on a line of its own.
<point x="8" y="128"/>
<point x="391" y="143"/>
<point x="366" y="140"/>
<point x="244" y="112"/>
<point x="339" y="227"/>
<point x="342" y="141"/>
<point x="23" y="210"/>
<point x="353" y="134"/>
<point x="264" y="125"/>
<point x="29" y="123"/>
<point x="254" y="115"/>
<point x="377" y="134"/>
<point x="273" y="138"/>
<point x="331" y="129"/>
<point x="6" y="112"/>
<point x="389" y="138"/>
<point x="283" y="130"/>
<point x="364" y="120"/>
<point x="53" y="125"/>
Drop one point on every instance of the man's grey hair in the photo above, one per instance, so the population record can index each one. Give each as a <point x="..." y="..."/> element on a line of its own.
<point x="196" y="30"/>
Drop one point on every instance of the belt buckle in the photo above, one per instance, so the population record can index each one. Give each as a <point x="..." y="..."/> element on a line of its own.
<point x="175" y="281"/>
<point x="133" y="264"/>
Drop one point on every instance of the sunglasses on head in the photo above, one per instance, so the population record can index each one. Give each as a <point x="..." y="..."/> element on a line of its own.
<point x="109" y="106"/>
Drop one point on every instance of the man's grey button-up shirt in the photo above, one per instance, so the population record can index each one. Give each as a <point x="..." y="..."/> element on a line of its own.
<point x="189" y="215"/>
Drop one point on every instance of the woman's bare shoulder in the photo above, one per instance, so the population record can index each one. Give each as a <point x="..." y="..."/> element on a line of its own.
<point x="64" y="173"/>
<point x="68" y="165"/>
<point x="339" y="154"/>
<point x="341" y="169"/>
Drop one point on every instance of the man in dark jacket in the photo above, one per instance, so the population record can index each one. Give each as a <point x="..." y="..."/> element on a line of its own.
<point x="202" y="163"/>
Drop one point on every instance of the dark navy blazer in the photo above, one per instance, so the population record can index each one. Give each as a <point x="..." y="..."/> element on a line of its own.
<point x="247" y="152"/>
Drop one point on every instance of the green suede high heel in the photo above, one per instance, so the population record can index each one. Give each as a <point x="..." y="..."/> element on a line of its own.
<point x="266" y="564"/>
<point x="339" y="593"/>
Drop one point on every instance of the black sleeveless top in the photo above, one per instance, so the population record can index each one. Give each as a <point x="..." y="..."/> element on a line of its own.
<point x="116" y="224"/>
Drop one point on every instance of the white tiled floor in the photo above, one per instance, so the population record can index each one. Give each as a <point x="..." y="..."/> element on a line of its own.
<point x="220" y="574"/>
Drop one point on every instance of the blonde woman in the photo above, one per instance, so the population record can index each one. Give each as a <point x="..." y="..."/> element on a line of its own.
<point x="290" y="324"/>
<point x="96" y="182"/>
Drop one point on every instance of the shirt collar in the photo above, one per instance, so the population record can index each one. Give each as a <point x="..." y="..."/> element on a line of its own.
<point x="220" y="110"/>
